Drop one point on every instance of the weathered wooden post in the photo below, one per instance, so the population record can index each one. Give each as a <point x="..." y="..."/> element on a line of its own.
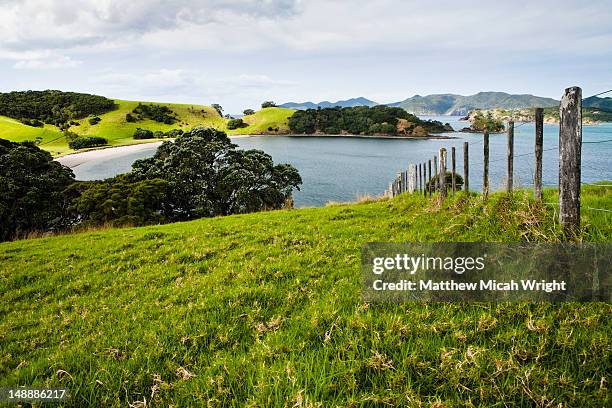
<point x="429" y="177"/>
<point x="454" y="170"/>
<point x="410" y="176"/>
<point x="510" y="171"/>
<point x="442" y="174"/>
<point x="435" y="174"/>
<point x="466" y="168"/>
<point x="485" y="175"/>
<point x="570" y="147"/>
<point x="399" y="182"/>
<point x="420" y="180"/>
<point x="539" y="141"/>
<point x="390" y="190"/>
<point x="425" y="179"/>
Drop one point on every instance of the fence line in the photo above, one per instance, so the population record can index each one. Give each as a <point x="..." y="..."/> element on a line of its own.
<point x="569" y="147"/>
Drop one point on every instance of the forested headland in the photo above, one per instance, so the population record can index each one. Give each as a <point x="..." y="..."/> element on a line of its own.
<point x="363" y="120"/>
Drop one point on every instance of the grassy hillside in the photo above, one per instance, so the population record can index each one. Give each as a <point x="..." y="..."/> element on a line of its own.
<point x="260" y="121"/>
<point x="119" y="132"/>
<point x="264" y="310"/>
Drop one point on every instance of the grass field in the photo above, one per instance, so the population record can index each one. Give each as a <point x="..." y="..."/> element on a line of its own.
<point x="119" y="132"/>
<point x="264" y="310"/>
<point x="260" y="121"/>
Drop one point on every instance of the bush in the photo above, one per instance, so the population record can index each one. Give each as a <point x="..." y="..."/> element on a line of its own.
<point x="149" y="134"/>
<point x="94" y="121"/>
<point x="32" y="122"/>
<point x="268" y="104"/>
<point x="119" y="201"/>
<point x="85" y="142"/>
<point x="248" y="112"/>
<point x="158" y="113"/>
<point x="130" y="118"/>
<point x="143" y="134"/>
<point x="235" y="124"/>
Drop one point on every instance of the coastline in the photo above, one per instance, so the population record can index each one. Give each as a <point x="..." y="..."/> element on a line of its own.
<point x="74" y="159"/>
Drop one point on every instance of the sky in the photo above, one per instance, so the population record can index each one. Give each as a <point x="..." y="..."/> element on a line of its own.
<point x="241" y="52"/>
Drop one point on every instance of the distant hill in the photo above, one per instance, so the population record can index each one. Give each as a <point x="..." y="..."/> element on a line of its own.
<point x="452" y="104"/>
<point x="605" y="104"/>
<point x="348" y="103"/>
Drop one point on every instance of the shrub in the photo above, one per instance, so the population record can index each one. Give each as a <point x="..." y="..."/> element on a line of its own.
<point x="94" y="121"/>
<point x="158" y="113"/>
<point x="130" y="118"/>
<point x="143" y="134"/>
<point x="85" y="142"/>
<point x="248" y="112"/>
<point x="268" y="104"/>
<point x="32" y="122"/>
<point x="235" y="124"/>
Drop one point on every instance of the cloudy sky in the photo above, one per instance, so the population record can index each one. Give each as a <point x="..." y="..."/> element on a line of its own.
<point x="241" y="52"/>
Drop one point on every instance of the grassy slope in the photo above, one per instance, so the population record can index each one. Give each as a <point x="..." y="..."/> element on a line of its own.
<point x="264" y="118"/>
<point x="265" y="309"/>
<point x="118" y="132"/>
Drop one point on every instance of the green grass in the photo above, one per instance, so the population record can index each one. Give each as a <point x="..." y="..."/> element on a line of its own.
<point x="264" y="310"/>
<point x="261" y="120"/>
<point x="119" y="132"/>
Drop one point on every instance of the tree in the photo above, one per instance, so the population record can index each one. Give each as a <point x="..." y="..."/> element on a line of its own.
<point x="218" y="108"/>
<point x="208" y="176"/>
<point x="84" y="142"/>
<point x="118" y="201"/>
<point x="235" y="124"/>
<point x="268" y="104"/>
<point x="31" y="184"/>
<point x="248" y="112"/>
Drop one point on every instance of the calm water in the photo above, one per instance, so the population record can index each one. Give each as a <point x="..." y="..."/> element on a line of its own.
<point x="340" y="169"/>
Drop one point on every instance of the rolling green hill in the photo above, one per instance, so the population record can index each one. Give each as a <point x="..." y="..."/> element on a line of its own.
<point x="259" y="123"/>
<point x="264" y="309"/>
<point x="118" y="131"/>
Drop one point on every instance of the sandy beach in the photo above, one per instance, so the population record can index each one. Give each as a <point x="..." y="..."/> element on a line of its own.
<point x="75" y="159"/>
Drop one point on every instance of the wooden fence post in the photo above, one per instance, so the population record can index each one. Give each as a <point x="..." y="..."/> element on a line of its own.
<point x="539" y="141"/>
<point x="570" y="146"/>
<point x="466" y="168"/>
<point x="420" y="180"/>
<point x="510" y="171"/>
<point x="429" y="177"/>
<point x="485" y="174"/>
<point x="435" y="173"/>
<point x="410" y="177"/>
<point x="454" y="170"/>
<point x="442" y="174"/>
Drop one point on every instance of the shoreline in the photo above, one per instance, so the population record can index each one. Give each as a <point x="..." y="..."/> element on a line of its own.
<point x="74" y="159"/>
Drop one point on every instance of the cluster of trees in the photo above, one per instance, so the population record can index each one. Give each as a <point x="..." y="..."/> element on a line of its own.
<point x="85" y="142"/>
<point x="200" y="174"/>
<point x="149" y="134"/>
<point x="158" y="113"/>
<point x="361" y="120"/>
<point x="53" y="107"/>
<point x="236" y="124"/>
<point x="248" y="112"/>
<point x="268" y="104"/>
<point x="486" y="122"/>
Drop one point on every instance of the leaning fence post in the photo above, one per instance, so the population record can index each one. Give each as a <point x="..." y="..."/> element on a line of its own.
<point x="429" y="177"/>
<point x="454" y="170"/>
<point x="539" y="140"/>
<point x="466" y="168"/>
<point x="510" y="171"/>
<point x="485" y="174"/>
<point x="570" y="146"/>
<point x="442" y="175"/>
